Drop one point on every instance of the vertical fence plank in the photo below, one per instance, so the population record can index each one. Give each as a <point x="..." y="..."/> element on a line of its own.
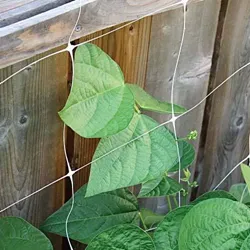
<point x="228" y="123"/>
<point x="31" y="152"/>
<point x="194" y="67"/>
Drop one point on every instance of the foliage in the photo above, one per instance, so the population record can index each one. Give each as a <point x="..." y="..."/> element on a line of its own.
<point x="134" y="149"/>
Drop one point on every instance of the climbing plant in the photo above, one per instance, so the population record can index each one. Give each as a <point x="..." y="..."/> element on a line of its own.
<point x="134" y="150"/>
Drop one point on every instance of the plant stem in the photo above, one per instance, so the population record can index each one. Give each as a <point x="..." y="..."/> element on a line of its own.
<point x="169" y="203"/>
<point x="137" y="109"/>
<point x="143" y="223"/>
<point x="175" y="201"/>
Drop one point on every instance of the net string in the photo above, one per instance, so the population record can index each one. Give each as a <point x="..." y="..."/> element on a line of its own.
<point x="71" y="173"/>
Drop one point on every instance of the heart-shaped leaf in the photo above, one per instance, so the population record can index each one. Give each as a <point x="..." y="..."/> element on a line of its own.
<point x="18" y="234"/>
<point x="246" y="174"/>
<point x="132" y="160"/>
<point x="93" y="215"/>
<point x="99" y="104"/>
<point x="122" y="237"/>
<point x="187" y="156"/>
<point x="162" y="186"/>
<point x="166" y="236"/>
<point x="148" y="102"/>
<point x="240" y="192"/>
<point x="214" y="224"/>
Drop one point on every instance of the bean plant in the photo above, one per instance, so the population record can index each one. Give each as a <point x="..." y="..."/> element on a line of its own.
<point x="134" y="150"/>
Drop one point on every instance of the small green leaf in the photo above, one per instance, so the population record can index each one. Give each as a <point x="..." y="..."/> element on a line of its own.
<point x="132" y="163"/>
<point x="18" y="234"/>
<point x="99" y="104"/>
<point x="214" y="224"/>
<point x="93" y="215"/>
<point x="122" y="237"/>
<point x="147" y="102"/>
<point x="150" y="218"/>
<point x="214" y="194"/>
<point x="240" y="193"/>
<point x="167" y="233"/>
<point x="187" y="156"/>
<point x="162" y="186"/>
<point x="246" y="174"/>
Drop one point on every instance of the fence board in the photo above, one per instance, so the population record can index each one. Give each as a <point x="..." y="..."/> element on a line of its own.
<point x="31" y="152"/>
<point x="195" y="62"/>
<point x="228" y="126"/>
<point x="52" y="28"/>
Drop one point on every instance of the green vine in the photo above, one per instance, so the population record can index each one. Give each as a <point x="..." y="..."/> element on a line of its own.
<point x="134" y="150"/>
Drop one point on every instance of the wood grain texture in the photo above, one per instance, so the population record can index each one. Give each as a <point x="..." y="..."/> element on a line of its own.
<point x="194" y="66"/>
<point x="51" y="29"/>
<point x="31" y="150"/>
<point x="6" y="5"/>
<point x="229" y="122"/>
<point x="23" y="10"/>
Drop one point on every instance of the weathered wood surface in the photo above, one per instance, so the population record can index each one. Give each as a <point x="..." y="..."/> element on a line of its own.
<point x="52" y="28"/>
<point x="15" y="11"/>
<point x="229" y="120"/>
<point x="194" y="67"/>
<point x="31" y="151"/>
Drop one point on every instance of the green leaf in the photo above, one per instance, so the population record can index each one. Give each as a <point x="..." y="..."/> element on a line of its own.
<point x="18" y="234"/>
<point x="246" y="174"/>
<point x="150" y="218"/>
<point x="122" y="237"/>
<point x="187" y="156"/>
<point x="214" y="224"/>
<point x="93" y="215"/>
<point x="237" y="190"/>
<point x="214" y="194"/>
<point x="132" y="163"/>
<point x="167" y="233"/>
<point x="99" y="104"/>
<point x="246" y="243"/>
<point x="162" y="186"/>
<point x="147" y="102"/>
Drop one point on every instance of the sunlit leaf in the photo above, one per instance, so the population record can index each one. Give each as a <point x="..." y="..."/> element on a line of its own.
<point x="246" y="174"/>
<point x="99" y="104"/>
<point x="148" y="102"/>
<point x="240" y="192"/>
<point x="132" y="163"/>
<point x="93" y="215"/>
<point x="18" y="234"/>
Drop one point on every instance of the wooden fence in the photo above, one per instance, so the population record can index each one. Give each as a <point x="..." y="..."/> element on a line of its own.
<point x="217" y="43"/>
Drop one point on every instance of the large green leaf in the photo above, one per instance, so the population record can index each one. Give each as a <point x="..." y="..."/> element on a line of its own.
<point x="93" y="215"/>
<point x="147" y="102"/>
<point x="150" y="218"/>
<point x="214" y="224"/>
<point x="18" y="234"/>
<point x="246" y="174"/>
<point x="161" y="186"/>
<point x="240" y="193"/>
<point x="214" y="194"/>
<point x="99" y="104"/>
<point x="140" y="160"/>
<point x="167" y="233"/>
<point x="122" y="237"/>
<point x="187" y="156"/>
